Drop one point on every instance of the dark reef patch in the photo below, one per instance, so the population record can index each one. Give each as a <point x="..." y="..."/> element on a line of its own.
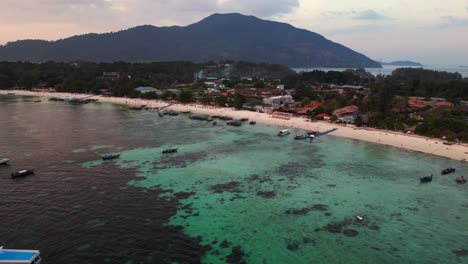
<point x="350" y="232"/>
<point x="237" y="256"/>
<point x="461" y="253"/>
<point x="263" y="194"/>
<point x="226" y="187"/>
<point x="293" y="247"/>
<point x="306" y="210"/>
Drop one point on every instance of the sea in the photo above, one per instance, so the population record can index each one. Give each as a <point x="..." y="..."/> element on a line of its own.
<point x="229" y="195"/>
<point x="388" y="69"/>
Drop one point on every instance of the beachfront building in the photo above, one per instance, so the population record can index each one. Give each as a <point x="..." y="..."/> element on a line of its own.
<point x="350" y="89"/>
<point x="110" y="76"/>
<point x="279" y="100"/>
<point x="143" y="90"/>
<point x="346" y="111"/>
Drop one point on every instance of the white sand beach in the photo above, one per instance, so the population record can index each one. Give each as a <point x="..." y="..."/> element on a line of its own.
<point x="390" y="138"/>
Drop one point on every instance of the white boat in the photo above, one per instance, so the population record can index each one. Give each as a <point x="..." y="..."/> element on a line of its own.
<point x="19" y="256"/>
<point x="4" y="161"/>
<point x="284" y="132"/>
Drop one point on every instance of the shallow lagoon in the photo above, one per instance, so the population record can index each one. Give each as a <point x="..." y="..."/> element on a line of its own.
<point x="228" y="195"/>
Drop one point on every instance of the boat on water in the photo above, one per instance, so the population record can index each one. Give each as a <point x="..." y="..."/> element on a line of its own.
<point x="160" y="114"/>
<point x="21" y="173"/>
<point x="244" y="119"/>
<point x="37" y="101"/>
<point x="252" y="123"/>
<point x="186" y="112"/>
<point x="170" y="150"/>
<point x="235" y="123"/>
<point x="4" y="161"/>
<point x="56" y="99"/>
<point x="460" y="180"/>
<point x="19" y="256"/>
<point x="304" y="137"/>
<point x="10" y="93"/>
<point x="173" y="113"/>
<point x="284" y="132"/>
<point x="426" y="179"/>
<point x="110" y="156"/>
<point x="136" y="108"/>
<point x="226" y="118"/>
<point x="448" y="171"/>
<point x="199" y="117"/>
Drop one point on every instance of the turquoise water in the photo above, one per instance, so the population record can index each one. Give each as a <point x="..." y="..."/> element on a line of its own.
<point x="258" y="198"/>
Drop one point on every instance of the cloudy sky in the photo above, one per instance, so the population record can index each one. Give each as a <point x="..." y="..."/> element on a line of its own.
<point x="429" y="31"/>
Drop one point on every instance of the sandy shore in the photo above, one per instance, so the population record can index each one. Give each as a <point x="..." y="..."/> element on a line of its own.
<point x="395" y="139"/>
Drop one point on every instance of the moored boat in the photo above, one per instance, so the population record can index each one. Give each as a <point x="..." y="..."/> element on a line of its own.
<point x="460" y="180"/>
<point x="235" y="123"/>
<point x="283" y="133"/>
<point x="225" y="118"/>
<point x="199" y="117"/>
<point x="448" y="171"/>
<point x="19" y="256"/>
<point x="244" y="119"/>
<point x="110" y="156"/>
<point x="252" y="123"/>
<point x="22" y="173"/>
<point x="304" y="137"/>
<point x="173" y="113"/>
<point x="4" y="161"/>
<point x="170" y="150"/>
<point x="426" y="179"/>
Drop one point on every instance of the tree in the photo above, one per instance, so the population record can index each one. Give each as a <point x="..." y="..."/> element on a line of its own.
<point x="334" y="118"/>
<point x="239" y="101"/>
<point x="186" y="96"/>
<point x="358" y="121"/>
<point x="305" y="101"/>
<point x="150" y="95"/>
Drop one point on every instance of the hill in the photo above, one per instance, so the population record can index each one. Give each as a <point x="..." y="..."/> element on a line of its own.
<point x="402" y="63"/>
<point x="217" y="37"/>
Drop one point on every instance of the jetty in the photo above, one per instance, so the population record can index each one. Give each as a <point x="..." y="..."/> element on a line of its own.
<point x="326" y="132"/>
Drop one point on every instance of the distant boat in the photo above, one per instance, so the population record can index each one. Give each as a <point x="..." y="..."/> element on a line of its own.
<point x="199" y="117"/>
<point x="186" y="112"/>
<point x="252" y="123"/>
<point x="10" y="93"/>
<point x="37" y="101"/>
<point x="460" y="180"/>
<point x="448" y="171"/>
<point x="283" y="133"/>
<point x="235" y="123"/>
<point x="22" y="173"/>
<point x="4" y="161"/>
<point x="160" y="114"/>
<point x="20" y="256"/>
<point x="110" y="156"/>
<point x="244" y="119"/>
<point x="170" y="150"/>
<point x="225" y="118"/>
<point x="304" y="137"/>
<point x="173" y="113"/>
<point x="426" y="179"/>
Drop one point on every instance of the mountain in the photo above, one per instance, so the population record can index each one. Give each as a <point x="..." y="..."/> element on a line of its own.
<point x="217" y="37"/>
<point x="402" y="63"/>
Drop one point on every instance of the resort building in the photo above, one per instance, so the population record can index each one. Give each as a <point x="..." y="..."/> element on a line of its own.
<point x="143" y="90"/>
<point x="346" y="111"/>
<point x="279" y="100"/>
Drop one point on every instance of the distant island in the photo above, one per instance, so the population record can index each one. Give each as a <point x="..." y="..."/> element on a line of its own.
<point x="218" y="37"/>
<point x="402" y="63"/>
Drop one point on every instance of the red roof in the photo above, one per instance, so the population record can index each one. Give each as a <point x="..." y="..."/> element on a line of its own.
<point x="323" y="116"/>
<point x="346" y="110"/>
<point x="313" y="104"/>
<point x="444" y="104"/>
<point x="415" y="103"/>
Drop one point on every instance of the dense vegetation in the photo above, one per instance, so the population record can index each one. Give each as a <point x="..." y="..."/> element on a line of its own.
<point x="84" y="77"/>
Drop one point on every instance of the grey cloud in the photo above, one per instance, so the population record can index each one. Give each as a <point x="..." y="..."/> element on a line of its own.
<point x="370" y="15"/>
<point x="451" y="21"/>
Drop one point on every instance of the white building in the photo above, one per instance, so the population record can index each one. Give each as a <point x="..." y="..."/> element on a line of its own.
<point x="279" y="100"/>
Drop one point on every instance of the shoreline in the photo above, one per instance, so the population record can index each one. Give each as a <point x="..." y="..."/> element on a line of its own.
<point x="389" y="138"/>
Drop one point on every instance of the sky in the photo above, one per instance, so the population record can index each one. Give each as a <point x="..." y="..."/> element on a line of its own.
<point x="433" y="32"/>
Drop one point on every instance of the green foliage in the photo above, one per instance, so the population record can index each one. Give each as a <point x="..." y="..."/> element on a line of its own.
<point x="149" y="96"/>
<point x="334" y="118"/>
<point x="238" y="101"/>
<point x="305" y="101"/>
<point x="186" y="96"/>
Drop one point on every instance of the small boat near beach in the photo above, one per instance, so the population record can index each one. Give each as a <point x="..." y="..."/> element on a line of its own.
<point x="10" y="93"/>
<point x="4" y="161"/>
<point x="426" y="179"/>
<point x="235" y="123"/>
<point x="199" y="117"/>
<point x="186" y="112"/>
<point x="136" y="108"/>
<point x="22" y="173"/>
<point x="226" y="118"/>
<point x="252" y="123"/>
<point x="110" y="156"/>
<point x="19" y="256"/>
<point x="172" y="113"/>
<point x="244" y="119"/>
<point x="37" y="101"/>
<point x="283" y="133"/>
<point x="170" y="150"/>
<point x="304" y="137"/>
<point x="448" y="171"/>
<point x="460" y="180"/>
